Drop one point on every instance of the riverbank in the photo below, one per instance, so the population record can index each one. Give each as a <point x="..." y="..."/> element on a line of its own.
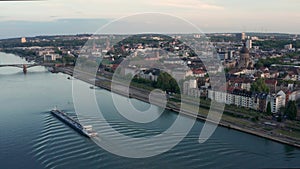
<point x="256" y="129"/>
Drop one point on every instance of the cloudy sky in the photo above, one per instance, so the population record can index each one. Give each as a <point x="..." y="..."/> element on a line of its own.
<point x="28" y="18"/>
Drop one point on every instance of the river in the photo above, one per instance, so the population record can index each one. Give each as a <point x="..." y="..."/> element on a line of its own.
<point x="31" y="138"/>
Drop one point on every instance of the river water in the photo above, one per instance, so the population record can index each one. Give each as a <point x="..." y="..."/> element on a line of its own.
<point x="31" y="138"/>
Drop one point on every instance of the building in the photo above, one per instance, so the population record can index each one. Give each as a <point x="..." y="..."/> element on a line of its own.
<point x="271" y="84"/>
<point x="244" y="61"/>
<point x="229" y="64"/>
<point x="260" y="101"/>
<point x="223" y="55"/>
<point x="240" y="83"/>
<point x="52" y="57"/>
<point x="173" y="61"/>
<point x="241" y="36"/>
<point x="130" y="70"/>
<point x="23" y="40"/>
<point x="230" y="54"/>
<point x="277" y="101"/>
<point x="292" y="95"/>
<point x="218" y="96"/>
<point x="190" y="88"/>
<point x="181" y="74"/>
<point x="240" y="98"/>
<point x="199" y="72"/>
<point x="249" y="43"/>
<point x="150" y="74"/>
<point x="288" y="47"/>
<point x="254" y="38"/>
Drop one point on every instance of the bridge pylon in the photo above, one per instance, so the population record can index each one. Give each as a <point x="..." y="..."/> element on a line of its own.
<point x="24" y="69"/>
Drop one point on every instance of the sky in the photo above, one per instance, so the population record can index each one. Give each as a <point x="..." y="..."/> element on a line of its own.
<point x="29" y="18"/>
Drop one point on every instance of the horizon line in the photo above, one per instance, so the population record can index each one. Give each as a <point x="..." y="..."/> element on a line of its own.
<point x="120" y="34"/>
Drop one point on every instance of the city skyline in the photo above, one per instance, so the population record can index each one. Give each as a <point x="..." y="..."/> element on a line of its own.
<point x="149" y="84"/>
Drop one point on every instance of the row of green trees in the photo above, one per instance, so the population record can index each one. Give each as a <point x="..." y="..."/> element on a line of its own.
<point x="269" y="61"/>
<point x="275" y="44"/>
<point x="164" y="82"/>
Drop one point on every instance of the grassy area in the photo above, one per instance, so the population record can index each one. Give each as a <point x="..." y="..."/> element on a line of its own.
<point x="236" y="121"/>
<point x="268" y="128"/>
<point x="293" y="134"/>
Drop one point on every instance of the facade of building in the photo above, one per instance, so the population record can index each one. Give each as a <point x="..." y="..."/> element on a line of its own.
<point x="241" y="36"/>
<point x="241" y="83"/>
<point x="271" y="83"/>
<point x="190" y="88"/>
<point x="52" y="57"/>
<point x="277" y="101"/>
<point x="292" y="95"/>
<point x="260" y="101"/>
<point x="288" y="47"/>
<point x="23" y="40"/>
<point x="199" y="73"/>
<point x="249" y="43"/>
<point x="240" y="98"/>
<point x="130" y="71"/>
<point x="181" y="74"/>
<point x="150" y="74"/>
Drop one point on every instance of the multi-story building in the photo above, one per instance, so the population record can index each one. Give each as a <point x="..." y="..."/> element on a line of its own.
<point x="242" y="83"/>
<point x="23" y="40"/>
<point x="181" y="74"/>
<point x="52" y="57"/>
<point x="190" y="88"/>
<point x="259" y="101"/>
<point x="241" y="36"/>
<point x="288" y="47"/>
<point x="277" y="101"/>
<point x="240" y="98"/>
<point x="199" y="72"/>
<point x="249" y="43"/>
<point x="150" y="74"/>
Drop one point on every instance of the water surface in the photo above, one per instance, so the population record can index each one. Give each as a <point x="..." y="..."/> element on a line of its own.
<point x="31" y="138"/>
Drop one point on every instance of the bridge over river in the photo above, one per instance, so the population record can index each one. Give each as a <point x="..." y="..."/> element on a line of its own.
<point x="25" y="66"/>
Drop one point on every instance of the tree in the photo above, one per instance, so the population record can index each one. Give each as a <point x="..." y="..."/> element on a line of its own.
<point x="174" y="86"/>
<point x="269" y="111"/>
<point x="259" y="64"/>
<point x="291" y="110"/>
<point x="260" y="86"/>
<point x="280" y="114"/>
<point x="167" y="83"/>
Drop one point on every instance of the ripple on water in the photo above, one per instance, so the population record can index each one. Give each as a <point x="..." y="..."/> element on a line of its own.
<point x="58" y="146"/>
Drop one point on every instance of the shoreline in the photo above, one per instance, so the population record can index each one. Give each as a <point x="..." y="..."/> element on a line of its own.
<point x="228" y="125"/>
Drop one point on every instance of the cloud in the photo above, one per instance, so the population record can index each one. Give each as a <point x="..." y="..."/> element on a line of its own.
<point x="10" y="29"/>
<point x="187" y="4"/>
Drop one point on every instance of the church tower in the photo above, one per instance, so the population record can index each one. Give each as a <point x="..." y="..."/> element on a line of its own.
<point x="244" y="61"/>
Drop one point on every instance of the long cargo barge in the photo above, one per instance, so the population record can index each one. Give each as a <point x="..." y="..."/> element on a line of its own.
<point x="84" y="130"/>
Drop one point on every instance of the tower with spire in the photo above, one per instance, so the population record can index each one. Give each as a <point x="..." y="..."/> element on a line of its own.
<point x="244" y="61"/>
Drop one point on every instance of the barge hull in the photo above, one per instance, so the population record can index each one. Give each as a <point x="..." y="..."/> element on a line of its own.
<point x="70" y="122"/>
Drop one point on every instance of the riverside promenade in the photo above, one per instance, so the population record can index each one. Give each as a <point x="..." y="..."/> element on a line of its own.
<point x="141" y="94"/>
